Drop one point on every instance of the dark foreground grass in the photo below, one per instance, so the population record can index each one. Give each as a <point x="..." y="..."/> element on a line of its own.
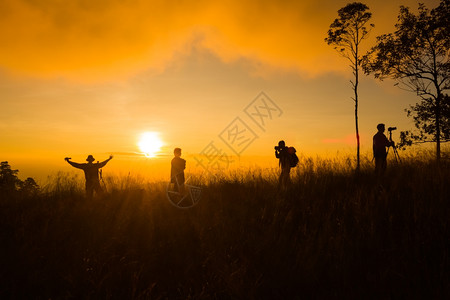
<point x="334" y="234"/>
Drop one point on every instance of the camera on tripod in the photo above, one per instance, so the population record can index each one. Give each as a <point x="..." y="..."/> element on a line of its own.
<point x="392" y="144"/>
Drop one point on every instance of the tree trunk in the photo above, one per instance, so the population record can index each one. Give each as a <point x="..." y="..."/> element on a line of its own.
<point x="357" y="130"/>
<point x="356" y="110"/>
<point x="438" y="127"/>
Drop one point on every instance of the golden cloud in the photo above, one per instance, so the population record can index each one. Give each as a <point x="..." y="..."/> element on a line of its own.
<point x="83" y="38"/>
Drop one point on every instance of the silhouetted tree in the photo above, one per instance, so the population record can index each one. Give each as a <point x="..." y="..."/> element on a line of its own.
<point x="423" y="114"/>
<point x="29" y="186"/>
<point x="416" y="55"/>
<point x="346" y="33"/>
<point x="8" y="177"/>
<point x="9" y="182"/>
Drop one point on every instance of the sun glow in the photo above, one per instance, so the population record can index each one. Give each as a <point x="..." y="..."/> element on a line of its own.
<point x="150" y="144"/>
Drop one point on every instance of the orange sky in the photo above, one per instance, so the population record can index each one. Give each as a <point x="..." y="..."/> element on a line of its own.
<point x="80" y="77"/>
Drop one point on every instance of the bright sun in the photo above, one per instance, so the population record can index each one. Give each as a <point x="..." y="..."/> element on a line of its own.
<point x="150" y="144"/>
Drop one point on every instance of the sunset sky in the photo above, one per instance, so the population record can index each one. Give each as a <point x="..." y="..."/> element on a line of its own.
<point x="90" y="77"/>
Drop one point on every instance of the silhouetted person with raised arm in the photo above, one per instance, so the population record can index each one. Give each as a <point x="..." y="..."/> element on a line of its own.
<point x="380" y="142"/>
<point x="177" y="171"/>
<point x="91" y="174"/>
<point x="282" y="153"/>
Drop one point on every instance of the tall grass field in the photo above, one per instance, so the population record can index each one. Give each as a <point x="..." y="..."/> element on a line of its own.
<point x="333" y="234"/>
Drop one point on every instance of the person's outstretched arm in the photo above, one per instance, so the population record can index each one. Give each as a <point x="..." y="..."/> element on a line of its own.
<point x="73" y="164"/>
<point x="103" y="163"/>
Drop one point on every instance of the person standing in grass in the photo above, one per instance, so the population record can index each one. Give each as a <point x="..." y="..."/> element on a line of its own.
<point x="380" y="142"/>
<point x="91" y="174"/>
<point x="177" y="171"/>
<point x="282" y="153"/>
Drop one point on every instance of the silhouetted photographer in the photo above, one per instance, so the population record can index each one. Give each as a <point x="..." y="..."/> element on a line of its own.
<point x="380" y="142"/>
<point x="91" y="173"/>
<point x="287" y="160"/>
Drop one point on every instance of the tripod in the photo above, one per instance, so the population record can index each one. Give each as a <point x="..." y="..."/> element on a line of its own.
<point x="100" y="172"/>
<point x="396" y="155"/>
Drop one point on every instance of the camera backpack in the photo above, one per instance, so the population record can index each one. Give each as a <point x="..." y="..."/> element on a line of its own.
<point x="293" y="159"/>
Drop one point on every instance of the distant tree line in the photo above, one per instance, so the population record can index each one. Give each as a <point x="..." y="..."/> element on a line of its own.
<point x="10" y="183"/>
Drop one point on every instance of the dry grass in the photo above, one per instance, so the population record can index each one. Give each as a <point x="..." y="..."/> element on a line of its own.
<point x="333" y="234"/>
